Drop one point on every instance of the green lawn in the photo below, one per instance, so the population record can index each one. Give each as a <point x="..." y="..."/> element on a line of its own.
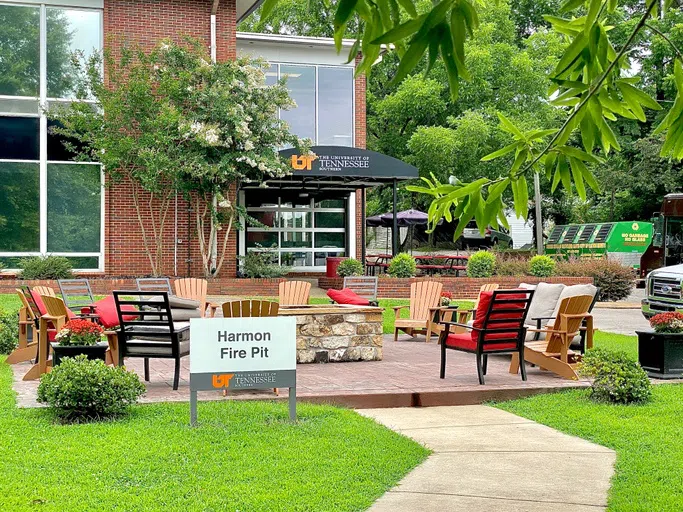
<point x="244" y="456"/>
<point x="647" y="438"/>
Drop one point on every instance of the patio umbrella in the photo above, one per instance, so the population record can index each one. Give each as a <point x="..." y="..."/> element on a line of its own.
<point x="374" y="221"/>
<point x="406" y="218"/>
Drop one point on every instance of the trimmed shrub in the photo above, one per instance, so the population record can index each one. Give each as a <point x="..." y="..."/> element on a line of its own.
<point x="541" y="266"/>
<point x="616" y="377"/>
<point x="512" y="267"/>
<point x="81" y="390"/>
<point x="481" y="264"/>
<point x="402" y="265"/>
<point x="350" y="267"/>
<point x="615" y="280"/>
<point x="9" y="331"/>
<point x="262" y="264"/>
<point x="45" y="267"/>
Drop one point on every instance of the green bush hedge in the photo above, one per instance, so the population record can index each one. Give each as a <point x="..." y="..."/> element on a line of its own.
<point x="79" y="389"/>
<point x="45" y="267"/>
<point x="541" y="266"/>
<point x="402" y="265"/>
<point x="615" y="280"/>
<point x="350" y="267"/>
<point x="262" y="265"/>
<point x="481" y="264"/>
<point x="616" y="377"/>
<point x="9" y="331"/>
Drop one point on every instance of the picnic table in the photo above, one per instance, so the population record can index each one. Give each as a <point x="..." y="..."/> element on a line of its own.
<point x="427" y="264"/>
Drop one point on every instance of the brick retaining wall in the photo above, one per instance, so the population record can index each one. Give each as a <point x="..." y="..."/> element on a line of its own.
<point x="460" y="287"/>
<point x="103" y="286"/>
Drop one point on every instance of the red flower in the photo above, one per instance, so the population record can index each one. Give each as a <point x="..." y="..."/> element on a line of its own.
<point x="79" y="327"/>
<point x="448" y="295"/>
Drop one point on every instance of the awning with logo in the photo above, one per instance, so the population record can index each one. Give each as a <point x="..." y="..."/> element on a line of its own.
<point x="345" y="166"/>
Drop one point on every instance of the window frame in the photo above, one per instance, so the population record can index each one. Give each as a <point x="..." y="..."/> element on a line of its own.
<point x="43" y="101"/>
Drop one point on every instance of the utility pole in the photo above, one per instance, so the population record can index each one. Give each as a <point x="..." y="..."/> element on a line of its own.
<point x="539" y="219"/>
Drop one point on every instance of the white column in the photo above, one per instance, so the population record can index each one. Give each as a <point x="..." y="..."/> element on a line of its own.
<point x="351" y="229"/>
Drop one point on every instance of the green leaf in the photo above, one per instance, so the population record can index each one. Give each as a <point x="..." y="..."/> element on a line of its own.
<point x="342" y="15"/>
<point x="556" y="178"/>
<point x="353" y="52"/>
<point x="267" y="8"/>
<point x="449" y="62"/>
<point x="576" y="166"/>
<point x="643" y="98"/>
<point x="587" y="176"/>
<point x="520" y="194"/>
<point x="550" y="162"/>
<point x="578" y="154"/>
<point x="503" y="151"/>
<point x="471" y="16"/>
<point x="593" y="12"/>
<point x="509" y="127"/>
<point x="495" y="191"/>
<point x="571" y="54"/>
<point x="401" y="31"/>
<point x="409" y="7"/>
<point x="588" y="133"/>
<point x="411" y="58"/>
<point x="465" y="191"/>
<point x="565" y="176"/>
<point x="570" y="5"/>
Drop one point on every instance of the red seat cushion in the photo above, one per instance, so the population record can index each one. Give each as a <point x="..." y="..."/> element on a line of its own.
<point x="106" y="309"/>
<point x="466" y="342"/>
<point x="346" y="296"/>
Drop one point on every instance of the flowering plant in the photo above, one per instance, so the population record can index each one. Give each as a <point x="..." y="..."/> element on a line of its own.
<point x="79" y="332"/>
<point x="667" y="322"/>
<point x="446" y="298"/>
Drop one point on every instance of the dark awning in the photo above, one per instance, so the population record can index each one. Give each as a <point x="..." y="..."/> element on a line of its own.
<point x="345" y="166"/>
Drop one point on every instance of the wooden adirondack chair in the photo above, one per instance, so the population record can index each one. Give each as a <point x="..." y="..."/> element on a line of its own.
<point x="294" y="293"/>
<point x="28" y="319"/>
<point x="195" y="289"/>
<point x="464" y="314"/>
<point x="425" y="297"/>
<point x="45" y="290"/>
<point x="363" y="286"/>
<point x="553" y="353"/>
<point x="56" y="314"/>
<point x="250" y="309"/>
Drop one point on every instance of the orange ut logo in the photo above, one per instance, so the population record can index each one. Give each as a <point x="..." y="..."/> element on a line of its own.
<point x="221" y="381"/>
<point x="303" y="162"/>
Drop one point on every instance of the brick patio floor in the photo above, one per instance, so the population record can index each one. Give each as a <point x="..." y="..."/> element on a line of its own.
<point x="408" y="376"/>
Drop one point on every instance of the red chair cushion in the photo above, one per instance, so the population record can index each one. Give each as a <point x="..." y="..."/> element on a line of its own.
<point x="485" y="299"/>
<point x="346" y="296"/>
<point x="106" y="309"/>
<point x="466" y="342"/>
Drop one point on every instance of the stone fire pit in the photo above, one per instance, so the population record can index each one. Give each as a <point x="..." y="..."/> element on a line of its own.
<point x="335" y="333"/>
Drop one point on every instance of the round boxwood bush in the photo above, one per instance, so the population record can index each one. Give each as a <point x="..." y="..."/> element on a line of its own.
<point x="617" y="378"/>
<point x="402" y="265"/>
<point x="9" y="331"/>
<point x="350" y="267"/>
<point x="481" y="264"/>
<point x="81" y="390"/>
<point x="541" y="266"/>
<point x="47" y="267"/>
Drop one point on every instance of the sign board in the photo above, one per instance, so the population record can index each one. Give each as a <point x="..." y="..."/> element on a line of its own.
<point x="242" y="353"/>
<point x="334" y="161"/>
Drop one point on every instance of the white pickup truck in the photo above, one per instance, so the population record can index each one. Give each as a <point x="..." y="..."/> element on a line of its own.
<point x="663" y="291"/>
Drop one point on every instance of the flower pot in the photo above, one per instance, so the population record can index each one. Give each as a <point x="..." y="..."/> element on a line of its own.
<point x="661" y="354"/>
<point x="93" y="352"/>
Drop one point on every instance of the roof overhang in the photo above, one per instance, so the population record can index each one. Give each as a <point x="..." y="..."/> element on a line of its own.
<point x="246" y="7"/>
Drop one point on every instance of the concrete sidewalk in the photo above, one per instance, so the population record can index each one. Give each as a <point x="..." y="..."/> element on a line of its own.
<point x="485" y="459"/>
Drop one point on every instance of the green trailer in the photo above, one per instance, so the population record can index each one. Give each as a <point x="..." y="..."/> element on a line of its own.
<point x="622" y="241"/>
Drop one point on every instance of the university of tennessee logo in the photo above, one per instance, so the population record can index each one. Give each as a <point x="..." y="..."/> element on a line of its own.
<point x="303" y="162"/>
<point x="221" y="380"/>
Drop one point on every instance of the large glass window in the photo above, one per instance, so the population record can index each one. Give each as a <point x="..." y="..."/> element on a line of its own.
<point x="335" y="97"/>
<point x="48" y="204"/>
<point x="305" y="230"/>
<point x="324" y="99"/>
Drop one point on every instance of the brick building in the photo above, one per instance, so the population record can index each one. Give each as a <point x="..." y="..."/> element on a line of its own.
<point x="50" y="204"/>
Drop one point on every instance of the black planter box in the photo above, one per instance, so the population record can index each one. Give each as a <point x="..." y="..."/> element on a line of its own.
<point x="661" y="355"/>
<point x="93" y="352"/>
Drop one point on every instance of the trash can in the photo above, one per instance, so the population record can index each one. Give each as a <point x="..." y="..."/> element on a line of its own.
<point x="332" y="264"/>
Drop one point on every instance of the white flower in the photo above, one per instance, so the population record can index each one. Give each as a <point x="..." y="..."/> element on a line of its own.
<point x="262" y="167"/>
<point x="249" y="145"/>
<point x="165" y="46"/>
<point x="211" y="136"/>
<point x="224" y="204"/>
<point x="196" y="127"/>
